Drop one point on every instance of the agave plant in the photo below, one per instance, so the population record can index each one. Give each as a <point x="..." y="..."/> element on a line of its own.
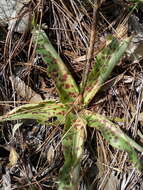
<point x="72" y="110"/>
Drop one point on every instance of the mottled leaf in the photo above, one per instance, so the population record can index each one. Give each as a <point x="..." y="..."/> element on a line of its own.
<point x="41" y="112"/>
<point x="114" y="135"/>
<point x="105" y="62"/>
<point x="73" y="144"/>
<point x="57" y="69"/>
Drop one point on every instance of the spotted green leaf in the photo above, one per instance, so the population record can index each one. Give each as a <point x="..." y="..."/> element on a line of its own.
<point x="57" y="69"/>
<point x="105" y="62"/>
<point x="114" y="135"/>
<point x="73" y="145"/>
<point x="71" y="113"/>
<point x="41" y="112"/>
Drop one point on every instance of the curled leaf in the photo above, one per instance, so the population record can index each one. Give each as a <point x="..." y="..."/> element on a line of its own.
<point x="15" y="127"/>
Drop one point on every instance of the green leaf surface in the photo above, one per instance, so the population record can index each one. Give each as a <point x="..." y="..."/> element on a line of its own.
<point x="114" y="135"/>
<point x="105" y="62"/>
<point x="69" y="110"/>
<point x="41" y="112"/>
<point x="73" y="146"/>
<point x="57" y="69"/>
<point x="102" y="59"/>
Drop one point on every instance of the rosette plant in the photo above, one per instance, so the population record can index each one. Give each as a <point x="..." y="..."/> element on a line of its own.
<point x="72" y="109"/>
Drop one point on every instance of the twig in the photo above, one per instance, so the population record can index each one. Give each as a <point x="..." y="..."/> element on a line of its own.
<point x="91" y="46"/>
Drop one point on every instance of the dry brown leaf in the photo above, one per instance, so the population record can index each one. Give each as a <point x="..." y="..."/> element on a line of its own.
<point x="25" y="91"/>
<point x="13" y="157"/>
<point x="50" y="154"/>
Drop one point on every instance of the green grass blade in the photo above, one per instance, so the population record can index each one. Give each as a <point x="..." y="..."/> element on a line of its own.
<point x="105" y="62"/>
<point x="57" y="70"/>
<point x="114" y="135"/>
<point x="73" y="144"/>
<point x="41" y="112"/>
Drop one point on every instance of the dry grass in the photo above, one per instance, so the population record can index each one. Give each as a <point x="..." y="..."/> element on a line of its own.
<point x="70" y="25"/>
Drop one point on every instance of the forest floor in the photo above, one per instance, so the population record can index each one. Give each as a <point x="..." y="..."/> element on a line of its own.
<point x="30" y="157"/>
